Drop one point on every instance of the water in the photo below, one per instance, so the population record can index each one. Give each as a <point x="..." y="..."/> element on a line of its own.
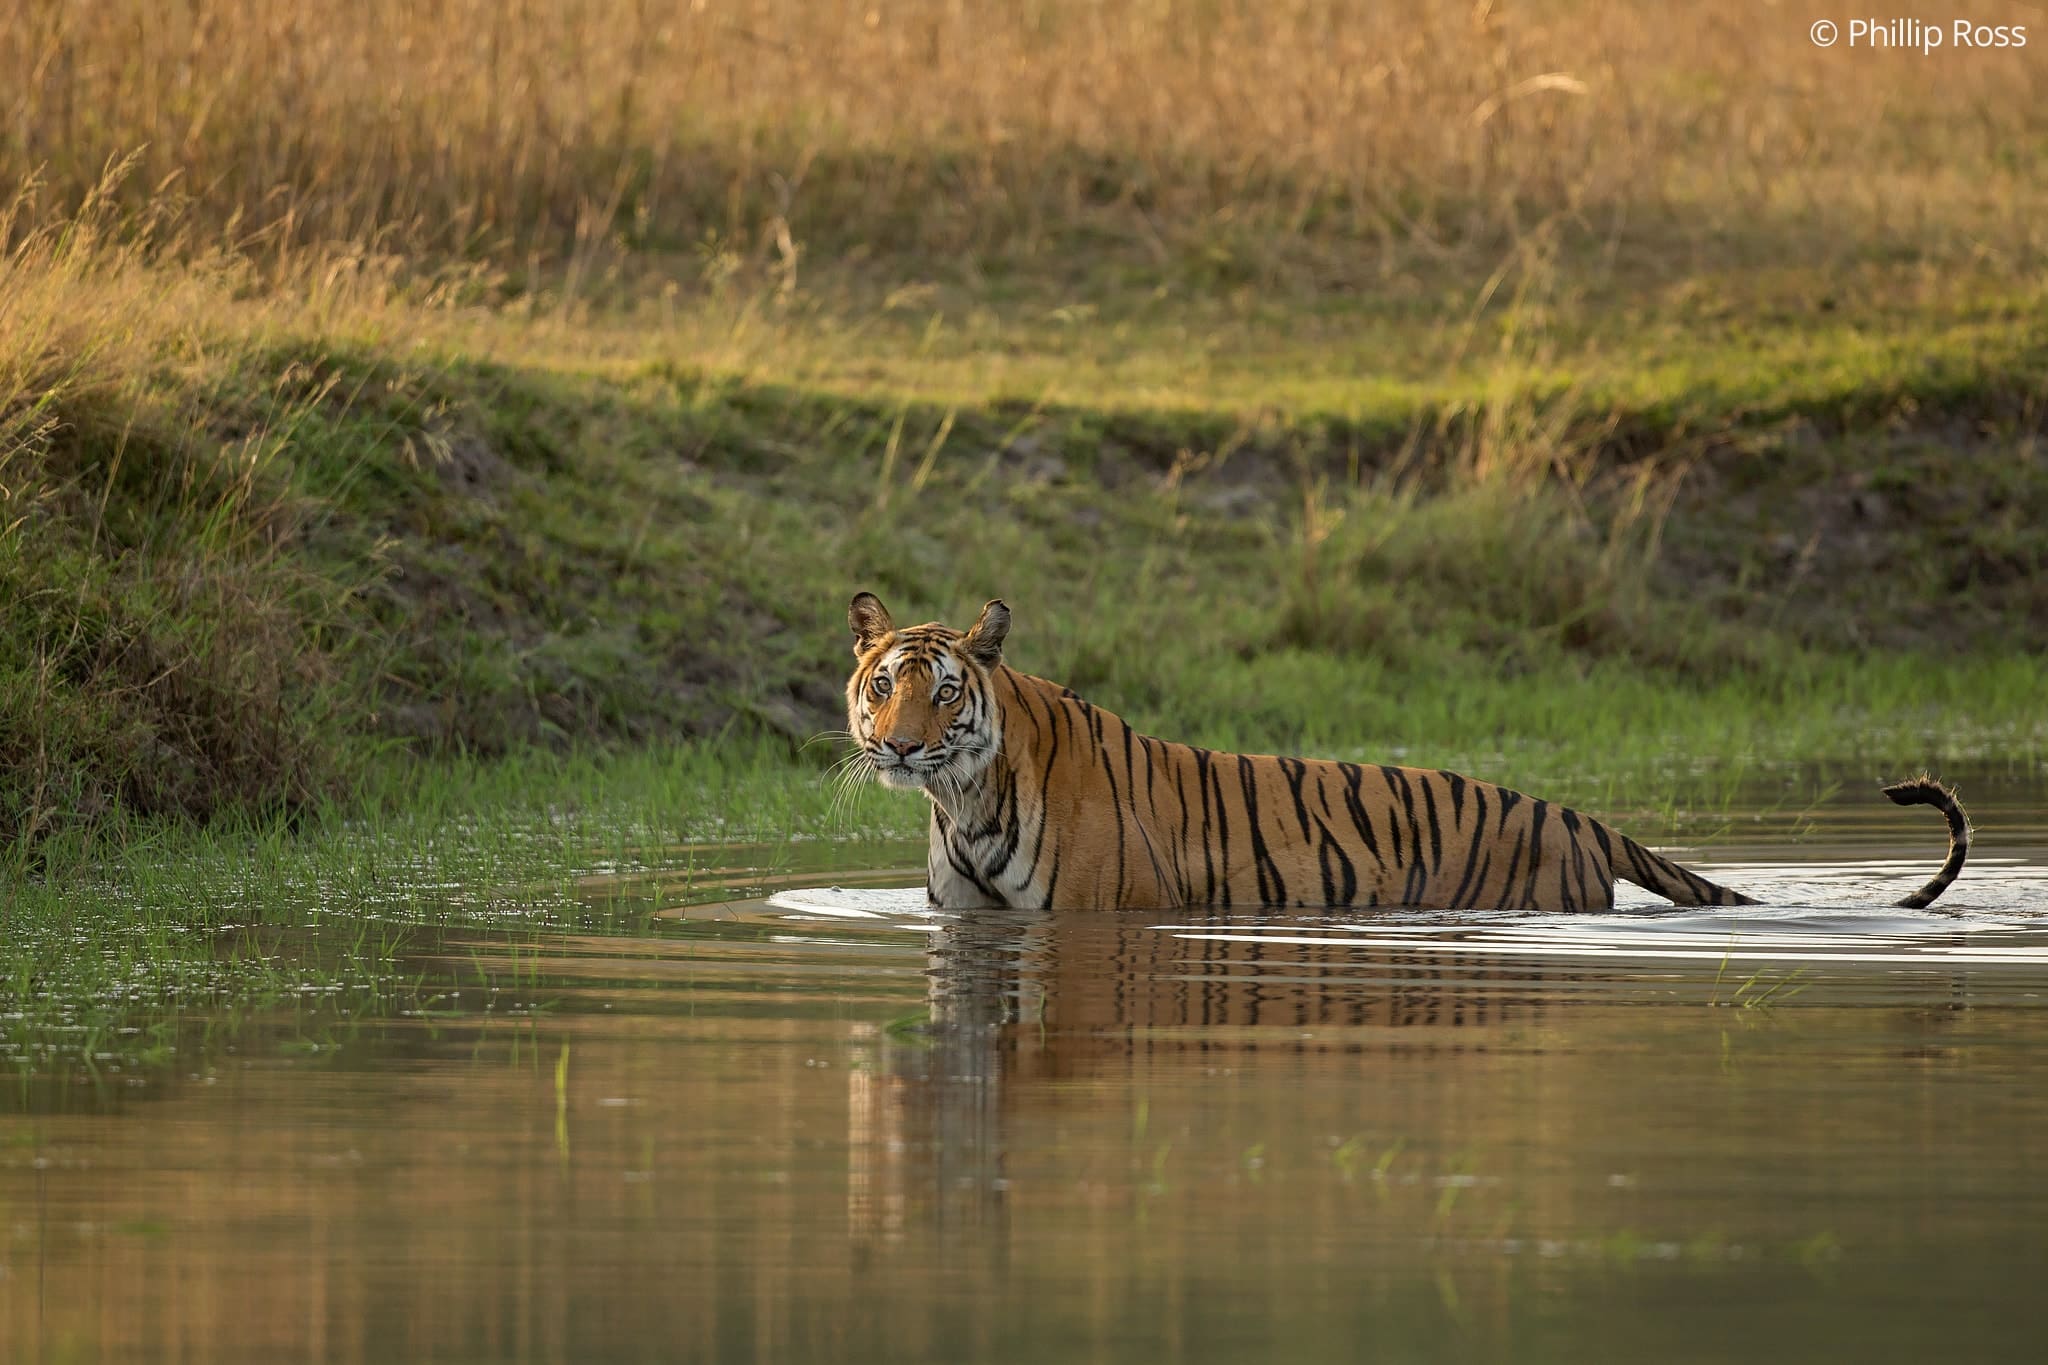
<point x="793" y="1123"/>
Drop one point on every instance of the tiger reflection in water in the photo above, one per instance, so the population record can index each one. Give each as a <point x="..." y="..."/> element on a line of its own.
<point x="1026" y="1004"/>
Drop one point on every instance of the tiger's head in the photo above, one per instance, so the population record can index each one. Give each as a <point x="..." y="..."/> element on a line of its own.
<point x="920" y="705"/>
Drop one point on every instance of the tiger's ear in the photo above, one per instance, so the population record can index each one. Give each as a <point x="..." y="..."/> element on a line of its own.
<point x="869" y="620"/>
<point x="984" y="639"/>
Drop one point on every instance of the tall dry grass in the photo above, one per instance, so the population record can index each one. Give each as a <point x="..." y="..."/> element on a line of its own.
<point x="1183" y="129"/>
<point x="163" y="649"/>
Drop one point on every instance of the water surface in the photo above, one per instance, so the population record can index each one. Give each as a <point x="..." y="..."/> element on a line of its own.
<point x="794" y="1122"/>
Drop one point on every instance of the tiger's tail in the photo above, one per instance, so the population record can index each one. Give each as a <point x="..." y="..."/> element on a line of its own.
<point x="1661" y="877"/>
<point x="1925" y="791"/>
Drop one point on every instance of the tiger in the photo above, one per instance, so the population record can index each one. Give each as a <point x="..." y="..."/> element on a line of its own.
<point x="1042" y="800"/>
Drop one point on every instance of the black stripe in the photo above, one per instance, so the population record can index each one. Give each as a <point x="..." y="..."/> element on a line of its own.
<point x="1485" y="868"/>
<point x="1144" y="830"/>
<point x="1508" y="799"/>
<point x="1457" y="785"/>
<point x="1116" y="807"/>
<point x="1352" y="807"/>
<point x="1570" y="818"/>
<point x="1347" y="872"/>
<point x="992" y="826"/>
<point x="1052" y="753"/>
<point x="1348" y="890"/>
<point x="1130" y="768"/>
<point x="1479" y="839"/>
<point x="1222" y="834"/>
<point x="1646" y="875"/>
<point x="1606" y="847"/>
<point x="1208" y="844"/>
<point x="1539" y="811"/>
<point x="1008" y="851"/>
<point x="1436" y="833"/>
<point x="1180" y="795"/>
<point x="1296" y="773"/>
<point x="1152" y="855"/>
<point x="970" y="872"/>
<point x="1392" y="776"/>
<point x="1272" y="888"/>
<point x="1508" y="883"/>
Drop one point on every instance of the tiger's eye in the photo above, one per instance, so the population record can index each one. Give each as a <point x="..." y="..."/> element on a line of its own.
<point x="947" y="694"/>
<point x="881" y="686"/>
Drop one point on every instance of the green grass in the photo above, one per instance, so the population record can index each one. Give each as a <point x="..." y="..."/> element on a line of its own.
<point x="1694" y="346"/>
<point x="233" y="590"/>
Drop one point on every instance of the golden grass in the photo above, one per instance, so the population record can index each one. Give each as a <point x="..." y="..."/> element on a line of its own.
<point x="160" y="648"/>
<point x="1205" y="135"/>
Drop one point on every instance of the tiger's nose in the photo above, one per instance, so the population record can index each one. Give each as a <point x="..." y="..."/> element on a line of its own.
<point x="905" y="747"/>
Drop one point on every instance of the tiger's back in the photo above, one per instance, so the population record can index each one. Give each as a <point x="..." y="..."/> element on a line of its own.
<point x="1137" y="822"/>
